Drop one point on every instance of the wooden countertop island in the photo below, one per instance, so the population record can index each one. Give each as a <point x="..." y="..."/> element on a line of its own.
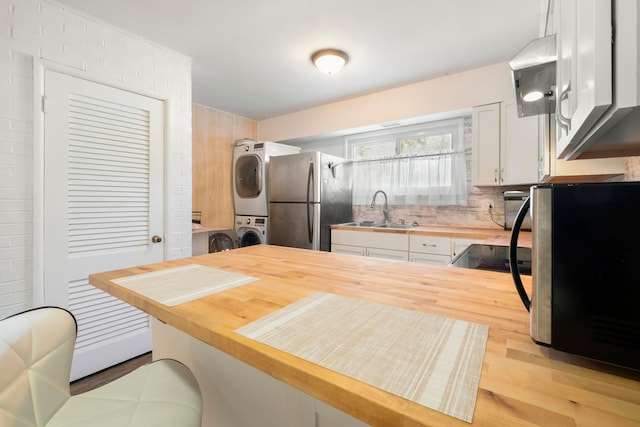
<point x="521" y="384"/>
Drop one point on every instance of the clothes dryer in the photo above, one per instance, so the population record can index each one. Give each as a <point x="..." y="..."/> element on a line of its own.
<point x="250" y="174"/>
<point x="251" y="230"/>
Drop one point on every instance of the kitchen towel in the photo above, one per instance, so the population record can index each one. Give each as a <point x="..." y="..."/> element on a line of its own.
<point x="178" y="285"/>
<point x="432" y="360"/>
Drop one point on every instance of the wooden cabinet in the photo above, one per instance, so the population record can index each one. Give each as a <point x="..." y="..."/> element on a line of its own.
<point x="370" y="243"/>
<point x="214" y="133"/>
<point x="505" y="147"/>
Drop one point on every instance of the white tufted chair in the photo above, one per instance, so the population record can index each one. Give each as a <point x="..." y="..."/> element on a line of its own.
<point x="36" y="348"/>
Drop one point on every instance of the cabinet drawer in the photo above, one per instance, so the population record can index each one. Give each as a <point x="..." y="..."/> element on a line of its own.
<point x="430" y="244"/>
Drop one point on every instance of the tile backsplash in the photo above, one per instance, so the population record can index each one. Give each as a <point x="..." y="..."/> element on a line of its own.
<point x="633" y="169"/>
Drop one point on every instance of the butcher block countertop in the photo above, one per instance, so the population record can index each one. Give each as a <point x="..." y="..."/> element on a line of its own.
<point x="521" y="384"/>
<point x="492" y="236"/>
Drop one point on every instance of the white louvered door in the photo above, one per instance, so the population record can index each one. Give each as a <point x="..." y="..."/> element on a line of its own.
<point x="103" y="203"/>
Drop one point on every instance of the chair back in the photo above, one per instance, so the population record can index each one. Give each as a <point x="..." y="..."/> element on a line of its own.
<point x="36" y="350"/>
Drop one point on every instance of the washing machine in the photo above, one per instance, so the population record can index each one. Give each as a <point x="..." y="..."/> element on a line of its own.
<point x="222" y="240"/>
<point x="251" y="230"/>
<point x="250" y="169"/>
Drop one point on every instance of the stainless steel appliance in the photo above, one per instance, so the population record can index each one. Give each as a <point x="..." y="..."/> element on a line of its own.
<point x="513" y="201"/>
<point x="308" y="192"/>
<point x="585" y="288"/>
<point x="250" y="170"/>
<point x="251" y="230"/>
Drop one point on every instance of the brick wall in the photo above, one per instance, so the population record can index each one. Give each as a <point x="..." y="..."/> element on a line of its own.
<point x="43" y="30"/>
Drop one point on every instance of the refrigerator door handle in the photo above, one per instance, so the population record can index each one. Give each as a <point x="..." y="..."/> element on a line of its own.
<point x="310" y="186"/>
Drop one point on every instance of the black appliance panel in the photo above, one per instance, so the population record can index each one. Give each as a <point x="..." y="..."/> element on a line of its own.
<point x="595" y="289"/>
<point x="492" y="258"/>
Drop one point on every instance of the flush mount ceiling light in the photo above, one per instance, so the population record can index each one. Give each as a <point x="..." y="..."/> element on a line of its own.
<point x="329" y="61"/>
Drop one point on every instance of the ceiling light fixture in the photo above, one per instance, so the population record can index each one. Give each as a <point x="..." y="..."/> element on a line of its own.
<point x="329" y="61"/>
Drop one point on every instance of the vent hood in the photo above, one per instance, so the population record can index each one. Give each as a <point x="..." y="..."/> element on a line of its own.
<point x="534" y="77"/>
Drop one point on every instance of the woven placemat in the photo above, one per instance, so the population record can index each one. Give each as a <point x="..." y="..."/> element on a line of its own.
<point x="178" y="285"/>
<point x="434" y="361"/>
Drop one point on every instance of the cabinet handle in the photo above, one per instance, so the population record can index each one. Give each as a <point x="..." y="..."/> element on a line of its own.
<point x="429" y="246"/>
<point x="495" y="175"/>
<point x="501" y="174"/>
<point x="563" y="121"/>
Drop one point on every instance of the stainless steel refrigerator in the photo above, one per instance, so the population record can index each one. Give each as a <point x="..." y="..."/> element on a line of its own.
<point x="308" y="192"/>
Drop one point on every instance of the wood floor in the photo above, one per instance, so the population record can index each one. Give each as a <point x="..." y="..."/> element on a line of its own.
<point x="107" y="375"/>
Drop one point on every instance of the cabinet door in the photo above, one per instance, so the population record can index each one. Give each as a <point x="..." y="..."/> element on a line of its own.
<point x="519" y="147"/>
<point x="584" y="74"/>
<point x="388" y="254"/>
<point x="348" y="249"/>
<point x="486" y="144"/>
<point x="430" y="258"/>
<point x="459" y="244"/>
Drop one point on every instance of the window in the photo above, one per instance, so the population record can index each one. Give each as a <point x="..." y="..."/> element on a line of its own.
<point x="422" y="164"/>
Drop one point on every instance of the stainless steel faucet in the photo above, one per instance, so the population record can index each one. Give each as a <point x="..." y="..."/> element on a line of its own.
<point x="385" y="208"/>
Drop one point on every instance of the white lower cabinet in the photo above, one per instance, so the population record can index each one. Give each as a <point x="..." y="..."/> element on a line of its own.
<point x="371" y="243"/>
<point x="459" y="244"/>
<point x="429" y="249"/>
<point x="399" y="246"/>
<point x="437" y="249"/>
<point x="348" y="249"/>
<point x="235" y="394"/>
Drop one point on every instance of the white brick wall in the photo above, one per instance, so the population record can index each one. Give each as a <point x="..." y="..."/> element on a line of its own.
<point x="45" y="30"/>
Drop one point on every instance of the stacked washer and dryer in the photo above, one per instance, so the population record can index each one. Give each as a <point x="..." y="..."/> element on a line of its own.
<point x="250" y="192"/>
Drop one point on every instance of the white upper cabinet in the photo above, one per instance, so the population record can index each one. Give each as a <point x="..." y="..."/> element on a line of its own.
<point x="519" y="144"/>
<point x="505" y="147"/>
<point x="597" y="86"/>
<point x="584" y="71"/>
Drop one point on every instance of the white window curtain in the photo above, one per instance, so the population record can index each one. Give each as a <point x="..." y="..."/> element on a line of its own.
<point x="417" y="179"/>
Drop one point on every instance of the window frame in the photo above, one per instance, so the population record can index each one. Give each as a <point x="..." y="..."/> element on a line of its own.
<point x="455" y="125"/>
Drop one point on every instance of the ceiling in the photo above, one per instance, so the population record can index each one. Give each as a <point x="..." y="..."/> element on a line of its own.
<point x="252" y="57"/>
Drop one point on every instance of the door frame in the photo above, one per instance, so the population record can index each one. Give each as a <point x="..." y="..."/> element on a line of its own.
<point x="39" y="68"/>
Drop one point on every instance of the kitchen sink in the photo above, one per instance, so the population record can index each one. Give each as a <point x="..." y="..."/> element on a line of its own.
<point x="361" y="224"/>
<point x="394" y="225"/>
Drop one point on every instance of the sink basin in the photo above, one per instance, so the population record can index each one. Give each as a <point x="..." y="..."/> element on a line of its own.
<point x="393" y="225"/>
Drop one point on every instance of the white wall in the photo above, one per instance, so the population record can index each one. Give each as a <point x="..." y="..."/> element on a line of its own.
<point x="46" y="31"/>
<point x="428" y="98"/>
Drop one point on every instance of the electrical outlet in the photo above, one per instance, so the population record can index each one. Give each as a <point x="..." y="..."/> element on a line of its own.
<point x="486" y="204"/>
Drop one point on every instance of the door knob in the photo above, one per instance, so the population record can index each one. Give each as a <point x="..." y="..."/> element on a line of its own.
<point x="156" y="239"/>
